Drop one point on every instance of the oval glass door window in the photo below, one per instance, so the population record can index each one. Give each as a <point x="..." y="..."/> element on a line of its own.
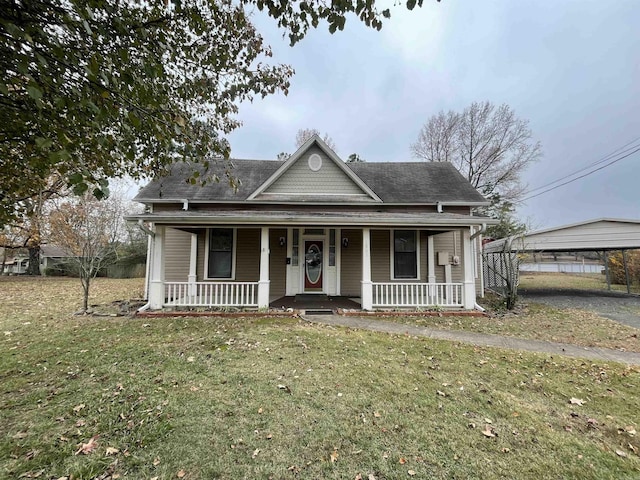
<point x="313" y="265"/>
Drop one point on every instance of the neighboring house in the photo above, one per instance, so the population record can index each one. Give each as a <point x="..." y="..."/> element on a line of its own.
<point x="384" y="234"/>
<point x="16" y="265"/>
<point x="51" y="256"/>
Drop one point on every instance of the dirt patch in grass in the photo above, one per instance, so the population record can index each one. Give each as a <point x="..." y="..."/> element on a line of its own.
<point x="243" y="398"/>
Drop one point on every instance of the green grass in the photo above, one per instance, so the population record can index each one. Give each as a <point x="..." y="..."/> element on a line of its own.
<point x="243" y="398"/>
<point x="564" y="281"/>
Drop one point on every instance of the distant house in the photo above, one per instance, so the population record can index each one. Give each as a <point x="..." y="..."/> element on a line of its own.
<point x="16" y="265"/>
<point x="386" y="235"/>
<point x="51" y="256"/>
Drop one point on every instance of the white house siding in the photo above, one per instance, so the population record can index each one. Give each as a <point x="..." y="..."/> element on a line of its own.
<point x="176" y="258"/>
<point x="351" y="266"/>
<point x="277" y="263"/>
<point x="300" y="179"/>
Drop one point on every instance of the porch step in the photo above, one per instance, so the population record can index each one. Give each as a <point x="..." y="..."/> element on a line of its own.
<point x="318" y="312"/>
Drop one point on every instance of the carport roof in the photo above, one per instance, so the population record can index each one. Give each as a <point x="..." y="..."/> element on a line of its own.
<point x="591" y="235"/>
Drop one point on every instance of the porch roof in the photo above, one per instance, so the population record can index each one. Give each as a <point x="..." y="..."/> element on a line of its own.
<point x="314" y="218"/>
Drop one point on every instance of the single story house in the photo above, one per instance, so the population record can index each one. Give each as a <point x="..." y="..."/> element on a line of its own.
<point x="386" y="235"/>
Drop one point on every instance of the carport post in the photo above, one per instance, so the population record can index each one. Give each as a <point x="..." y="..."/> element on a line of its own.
<point x="606" y="269"/>
<point x="626" y="270"/>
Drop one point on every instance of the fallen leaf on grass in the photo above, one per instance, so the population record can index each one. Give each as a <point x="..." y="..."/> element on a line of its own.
<point x="411" y="472"/>
<point x="488" y="431"/>
<point x="181" y="474"/>
<point x="112" y="451"/>
<point x="402" y="461"/>
<point x="156" y="462"/>
<point x="89" y="447"/>
<point x="576" y="401"/>
<point x="285" y="388"/>
<point x="371" y="477"/>
<point x="77" y="408"/>
<point x="20" y="435"/>
<point x="441" y="393"/>
<point x="334" y="456"/>
<point x="255" y="453"/>
<point x="620" y="453"/>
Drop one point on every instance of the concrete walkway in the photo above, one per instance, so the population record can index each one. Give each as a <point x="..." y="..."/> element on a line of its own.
<point x="480" y="339"/>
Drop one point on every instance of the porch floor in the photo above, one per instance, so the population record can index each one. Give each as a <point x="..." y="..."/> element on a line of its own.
<point x="316" y="302"/>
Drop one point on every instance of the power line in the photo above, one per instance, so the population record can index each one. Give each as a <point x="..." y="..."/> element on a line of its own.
<point x="637" y="149"/>
<point x="597" y="162"/>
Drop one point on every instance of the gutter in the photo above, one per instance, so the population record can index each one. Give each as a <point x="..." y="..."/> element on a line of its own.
<point x="483" y="229"/>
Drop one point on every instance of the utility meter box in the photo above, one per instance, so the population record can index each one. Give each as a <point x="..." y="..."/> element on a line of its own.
<point x="443" y="258"/>
<point x="456" y="260"/>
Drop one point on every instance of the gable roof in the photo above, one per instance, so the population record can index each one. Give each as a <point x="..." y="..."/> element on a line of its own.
<point x="597" y="234"/>
<point x="297" y="156"/>
<point x="391" y="182"/>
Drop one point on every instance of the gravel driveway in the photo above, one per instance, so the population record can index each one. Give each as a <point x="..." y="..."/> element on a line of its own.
<point x="616" y="306"/>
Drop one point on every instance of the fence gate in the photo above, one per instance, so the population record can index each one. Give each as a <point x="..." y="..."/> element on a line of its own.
<point x="500" y="269"/>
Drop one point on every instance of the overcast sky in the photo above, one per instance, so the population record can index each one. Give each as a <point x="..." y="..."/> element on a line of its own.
<point x="572" y="68"/>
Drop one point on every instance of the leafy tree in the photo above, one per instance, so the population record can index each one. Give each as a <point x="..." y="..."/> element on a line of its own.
<point x="95" y="89"/>
<point x="89" y="231"/>
<point x="305" y="134"/>
<point x="488" y="144"/>
<point x="29" y="230"/>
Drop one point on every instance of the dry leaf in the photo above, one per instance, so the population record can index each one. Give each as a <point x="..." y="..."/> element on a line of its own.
<point x="576" y="401"/>
<point x="334" y="456"/>
<point x="402" y="461"/>
<point x="81" y="423"/>
<point x="90" y="446"/>
<point x="505" y="450"/>
<point x="358" y="477"/>
<point x="112" y="451"/>
<point x="190" y="359"/>
<point x="620" y="453"/>
<point x="488" y="431"/>
<point x="156" y="462"/>
<point x="632" y="448"/>
<point x="260" y="410"/>
<point x="269" y="437"/>
<point x="371" y="477"/>
<point x="630" y="430"/>
<point x="411" y="472"/>
<point x="376" y="414"/>
<point x="77" y="408"/>
<point x="255" y="453"/>
<point x="155" y="478"/>
<point x="20" y="435"/>
<point x="181" y="474"/>
<point x="441" y="393"/>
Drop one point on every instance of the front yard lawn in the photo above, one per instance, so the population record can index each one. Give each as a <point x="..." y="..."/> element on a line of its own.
<point x="200" y="398"/>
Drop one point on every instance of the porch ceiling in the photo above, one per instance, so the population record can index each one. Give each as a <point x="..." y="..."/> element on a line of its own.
<point x="319" y="218"/>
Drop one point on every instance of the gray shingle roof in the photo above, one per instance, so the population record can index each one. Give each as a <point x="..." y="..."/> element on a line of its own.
<point x="393" y="182"/>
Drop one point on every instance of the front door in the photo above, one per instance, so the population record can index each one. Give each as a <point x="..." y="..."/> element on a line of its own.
<point x="313" y="266"/>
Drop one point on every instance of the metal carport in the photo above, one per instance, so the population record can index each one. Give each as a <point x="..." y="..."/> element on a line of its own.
<point x="600" y="235"/>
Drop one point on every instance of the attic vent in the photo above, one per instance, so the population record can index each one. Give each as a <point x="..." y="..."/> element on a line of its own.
<point x="315" y="162"/>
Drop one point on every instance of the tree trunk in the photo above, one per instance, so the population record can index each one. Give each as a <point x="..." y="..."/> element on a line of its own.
<point x="86" y="281"/>
<point x="34" y="261"/>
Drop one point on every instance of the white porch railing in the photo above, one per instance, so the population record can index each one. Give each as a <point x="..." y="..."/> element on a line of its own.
<point x="417" y="294"/>
<point x="211" y="294"/>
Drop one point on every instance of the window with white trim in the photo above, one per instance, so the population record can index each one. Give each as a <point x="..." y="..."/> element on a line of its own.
<point x="220" y="258"/>
<point x="405" y="254"/>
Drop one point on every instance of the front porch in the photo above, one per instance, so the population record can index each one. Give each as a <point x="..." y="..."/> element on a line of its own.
<point x="273" y="266"/>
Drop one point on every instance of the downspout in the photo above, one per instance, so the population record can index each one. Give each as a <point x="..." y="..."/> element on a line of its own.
<point x="483" y="229"/>
<point x="151" y="235"/>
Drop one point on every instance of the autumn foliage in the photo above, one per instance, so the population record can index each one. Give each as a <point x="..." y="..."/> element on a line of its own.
<point x="616" y="267"/>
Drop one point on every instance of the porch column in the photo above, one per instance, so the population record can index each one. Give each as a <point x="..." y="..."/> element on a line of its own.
<point x="263" y="284"/>
<point x="193" y="257"/>
<point x="469" y="287"/>
<point x="366" y="297"/>
<point x="156" y="284"/>
<point x="431" y="260"/>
